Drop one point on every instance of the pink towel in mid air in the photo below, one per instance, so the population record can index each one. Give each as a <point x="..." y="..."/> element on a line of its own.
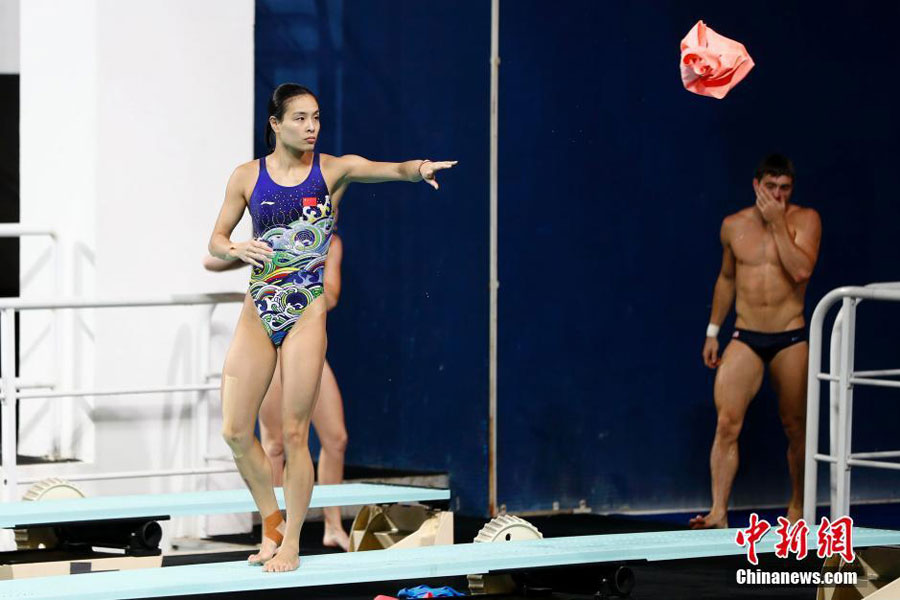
<point x="712" y="64"/>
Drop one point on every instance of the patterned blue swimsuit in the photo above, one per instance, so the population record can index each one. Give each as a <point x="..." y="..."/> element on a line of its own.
<point x="296" y="222"/>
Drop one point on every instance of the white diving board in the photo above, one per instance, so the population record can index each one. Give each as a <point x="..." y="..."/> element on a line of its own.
<point x="103" y="508"/>
<point x="405" y="564"/>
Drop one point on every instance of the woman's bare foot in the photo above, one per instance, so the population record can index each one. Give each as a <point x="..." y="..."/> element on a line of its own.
<point x="336" y="537"/>
<point x="267" y="548"/>
<point x="794" y="513"/>
<point x="710" y="521"/>
<point x="286" y="559"/>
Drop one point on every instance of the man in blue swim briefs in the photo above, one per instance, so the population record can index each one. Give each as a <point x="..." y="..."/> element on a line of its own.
<point x="769" y="251"/>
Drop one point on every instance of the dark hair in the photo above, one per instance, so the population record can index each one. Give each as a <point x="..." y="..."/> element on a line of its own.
<point x="278" y="103"/>
<point x="775" y="165"/>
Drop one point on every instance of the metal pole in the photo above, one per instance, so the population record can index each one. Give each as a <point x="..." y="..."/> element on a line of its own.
<point x="173" y="300"/>
<point x="201" y="414"/>
<point x="494" y="283"/>
<point x="139" y="474"/>
<point x="887" y="454"/>
<point x="834" y="402"/>
<point x="813" y="390"/>
<point x="882" y="373"/>
<point x="874" y="382"/>
<point x="8" y="409"/>
<point x="62" y="414"/>
<point x="845" y="396"/>
<point x="66" y="361"/>
<point x="161" y="389"/>
<point x="876" y="464"/>
<point x="848" y="408"/>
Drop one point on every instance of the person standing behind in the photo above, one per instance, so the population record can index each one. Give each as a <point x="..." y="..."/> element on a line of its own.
<point x="769" y="252"/>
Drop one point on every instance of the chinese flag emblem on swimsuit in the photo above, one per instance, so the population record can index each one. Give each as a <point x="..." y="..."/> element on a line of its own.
<point x="310" y="201"/>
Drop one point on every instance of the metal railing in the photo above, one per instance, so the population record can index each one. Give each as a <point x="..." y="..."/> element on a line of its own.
<point x="17" y="230"/>
<point x="843" y="379"/>
<point x="11" y="394"/>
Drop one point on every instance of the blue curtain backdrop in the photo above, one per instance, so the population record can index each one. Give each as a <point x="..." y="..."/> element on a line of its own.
<point x="613" y="183"/>
<point x="408" y="343"/>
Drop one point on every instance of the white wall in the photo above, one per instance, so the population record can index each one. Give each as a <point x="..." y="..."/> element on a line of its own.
<point x="134" y="114"/>
<point x="58" y="164"/>
<point x="9" y="36"/>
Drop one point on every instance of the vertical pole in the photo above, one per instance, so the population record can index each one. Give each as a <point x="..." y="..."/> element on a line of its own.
<point x="813" y="391"/>
<point x="494" y="283"/>
<point x="201" y="413"/>
<point x="848" y="431"/>
<point x="834" y="404"/>
<point x="846" y="393"/>
<point x="64" y="408"/>
<point x="56" y="314"/>
<point x="10" y="397"/>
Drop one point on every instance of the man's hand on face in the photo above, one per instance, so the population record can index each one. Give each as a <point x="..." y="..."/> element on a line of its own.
<point x="772" y="210"/>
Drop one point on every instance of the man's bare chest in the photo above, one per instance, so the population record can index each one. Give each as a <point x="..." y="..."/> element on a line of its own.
<point x="754" y="245"/>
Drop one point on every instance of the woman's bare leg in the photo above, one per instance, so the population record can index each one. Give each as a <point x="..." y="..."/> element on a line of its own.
<point x="328" y="419"/>
<point x="270" y="425"/>
<point x="245" y="377"/>
<point x="302" y="357"/>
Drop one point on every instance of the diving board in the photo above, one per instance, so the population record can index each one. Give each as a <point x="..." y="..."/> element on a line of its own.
<point x="102" y="508"/>
<point x="405" y="564"/>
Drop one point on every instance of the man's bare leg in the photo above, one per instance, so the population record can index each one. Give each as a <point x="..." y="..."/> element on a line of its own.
<point x="737" y="382"/>
<point x="328" y="419"/>
<point x="788" y="370"/>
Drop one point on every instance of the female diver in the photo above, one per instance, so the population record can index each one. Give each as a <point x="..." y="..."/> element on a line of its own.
<point x="284" y="311"/>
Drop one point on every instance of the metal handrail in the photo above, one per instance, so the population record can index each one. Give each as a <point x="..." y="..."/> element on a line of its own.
<point x="176" y="300"/>
<point x="163" y="389"/>
<point x="860" y="380"/>
<point x="840" y="455"/>
<point x="50" y="389"/>
<point x="11" y="394"/>
<point x="18" y="230"/>
<point x="138" y="474"/>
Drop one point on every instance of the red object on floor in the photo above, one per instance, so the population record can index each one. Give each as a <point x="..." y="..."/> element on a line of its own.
<point x="385" y="598"/>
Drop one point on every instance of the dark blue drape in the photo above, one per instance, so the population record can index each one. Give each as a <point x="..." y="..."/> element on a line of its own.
<point x="614" y="181"/>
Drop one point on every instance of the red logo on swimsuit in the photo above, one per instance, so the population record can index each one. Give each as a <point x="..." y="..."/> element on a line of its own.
<point x="310" y="201"/>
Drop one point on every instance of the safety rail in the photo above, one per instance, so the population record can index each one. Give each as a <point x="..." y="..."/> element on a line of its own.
<point x="842" y="378"/>
<point x="17" y="230"/>
<point x="11" y="394"/>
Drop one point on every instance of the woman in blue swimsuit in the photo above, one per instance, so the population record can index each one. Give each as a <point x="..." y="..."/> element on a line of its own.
<point x="284" y="311"/>
<point x="327" y="417"/>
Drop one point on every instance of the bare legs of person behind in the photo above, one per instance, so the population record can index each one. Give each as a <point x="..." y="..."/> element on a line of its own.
<point x="248" y="371"/>
<point x="738" y="380"/>
<point x="328" y="419"/>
